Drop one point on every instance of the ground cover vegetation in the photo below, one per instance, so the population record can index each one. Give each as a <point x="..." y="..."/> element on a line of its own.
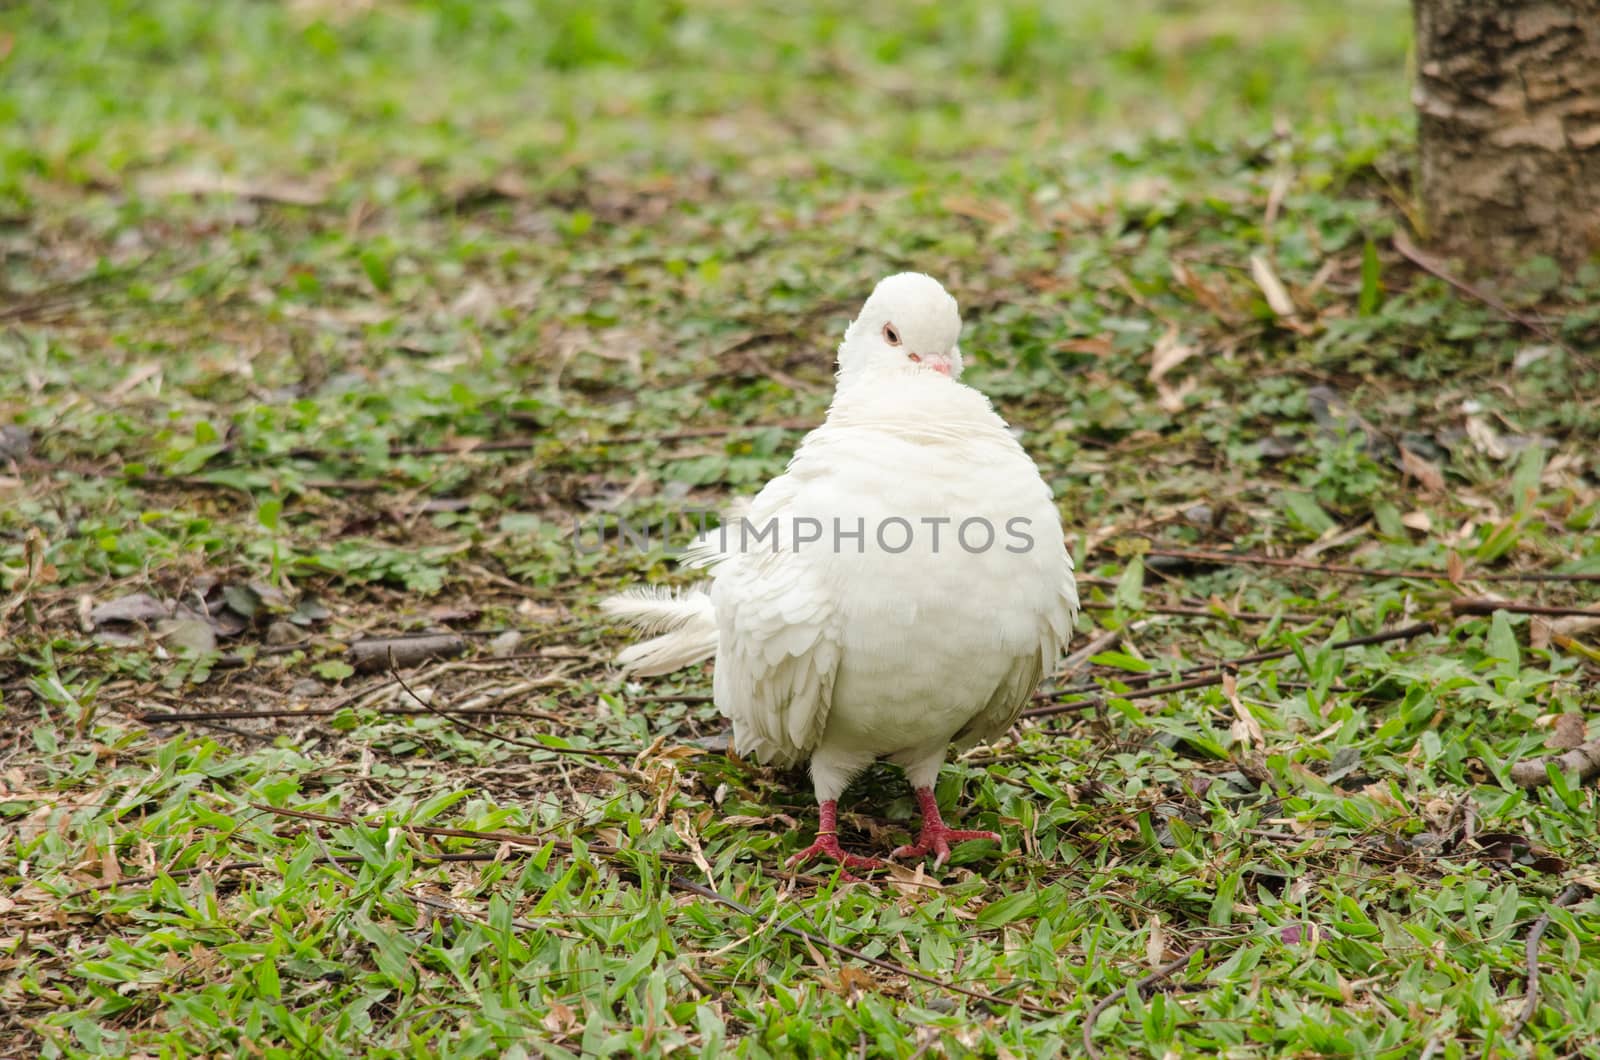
<point x="325" y="327"/>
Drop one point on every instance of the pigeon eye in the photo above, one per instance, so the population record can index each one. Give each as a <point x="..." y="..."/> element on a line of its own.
<point x="890" y="335"/>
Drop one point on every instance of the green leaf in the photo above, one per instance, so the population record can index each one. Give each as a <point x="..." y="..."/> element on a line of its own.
<point x="1387" y="517"/>
<point x="1304" y="510"/>
<point x="1525" y="480"/>
<point x="636" y="967"/>
<point x="1371" y="281"/>
<point x="377" y="270"/>
<point x="267" y="978"/>
<point x="1499" y="540"/>
<point x="1502" y="644"/>
<point x="390" y="949"/>
<point x="1005" y="910"/>
<point x="333" y="669"/>
<point x="1121" y="660"/>
<point x="188" y="461"/>
<point x="1129" y="594"/>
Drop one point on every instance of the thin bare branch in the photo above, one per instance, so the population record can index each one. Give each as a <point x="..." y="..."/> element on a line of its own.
<point x="1254" y="559"/>
<point x="1570" y="895"/>
<point x="1483" y="606"/>
<point x="1116" y="995"/>
<point x="1225" y="666"/>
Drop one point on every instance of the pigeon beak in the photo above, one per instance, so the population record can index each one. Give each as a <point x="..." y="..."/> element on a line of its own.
<point x="939" y="362"/>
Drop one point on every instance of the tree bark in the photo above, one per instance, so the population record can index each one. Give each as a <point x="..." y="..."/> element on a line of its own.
<point x="1508" y="106"/>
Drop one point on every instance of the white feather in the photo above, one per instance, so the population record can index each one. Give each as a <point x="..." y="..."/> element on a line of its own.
<point x="684" y="619"/>
<point x="653" y="609"/>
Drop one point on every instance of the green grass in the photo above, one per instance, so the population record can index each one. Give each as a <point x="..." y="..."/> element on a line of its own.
<point x="266" y="268"/>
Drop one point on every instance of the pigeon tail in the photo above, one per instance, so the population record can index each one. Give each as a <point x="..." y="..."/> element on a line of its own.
<point x="685" y="621"/>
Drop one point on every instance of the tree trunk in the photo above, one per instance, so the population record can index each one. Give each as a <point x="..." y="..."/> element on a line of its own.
<point x="1508" y="106"/>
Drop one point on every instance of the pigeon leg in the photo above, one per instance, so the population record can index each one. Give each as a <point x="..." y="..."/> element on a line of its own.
<point x="827" y="842"/>
<point x="936" y="835"/>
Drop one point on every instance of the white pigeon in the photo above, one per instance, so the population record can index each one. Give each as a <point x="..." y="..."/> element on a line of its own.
<point x="903" y="585"/>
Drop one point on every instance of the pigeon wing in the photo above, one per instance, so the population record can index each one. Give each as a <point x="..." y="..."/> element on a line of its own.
<point x="778" y="629"/>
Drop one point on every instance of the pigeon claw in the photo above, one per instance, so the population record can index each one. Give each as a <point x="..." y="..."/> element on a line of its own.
<point x="936" y="839"/>
<point x="827" y="846"/>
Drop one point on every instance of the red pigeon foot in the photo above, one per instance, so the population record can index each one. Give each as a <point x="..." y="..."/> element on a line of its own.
<point x="827" y="843"/>
<point x="936" y="836"/>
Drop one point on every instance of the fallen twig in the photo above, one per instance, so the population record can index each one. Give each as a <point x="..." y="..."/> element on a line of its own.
<point x="372" y="655"/>
<point x="1530" y="1004"/>
<point x="1116" y="995"/>
<point x="1197" y="611"/>
<point x="701" y="432"/>
<point x="519" y="443"/>
<point x="1535" y="772"/>
<point x="462" y="723"/>
<point x="240" y="660"/>
<point x="1223" y="667"/>
<point x="1428" y="264"/>
<point x="673" y="697"/>
<point x="1485" y="606"/>
<point x="152" y="717"/>
<point x="1256" y="559"/>
<point x="1104" y="642"/>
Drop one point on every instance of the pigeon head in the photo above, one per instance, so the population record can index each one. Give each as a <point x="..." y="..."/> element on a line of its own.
<point x="909" y="324"/>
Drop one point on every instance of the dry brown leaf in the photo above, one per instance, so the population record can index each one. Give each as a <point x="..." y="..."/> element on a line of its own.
<point x="1486" y="438"/>
<point x="1169" y="352"/>
<point x="912" y="881"/>
<point x="1096" y="346"/>
<point x="1171" y="398"/>
<point x="686" y="833"/>
<point x="1245" y="728"/>
<point x="993" y="212"/>
<point x="1429" y="477"/>
<point x="1561" y="632"/>
<point x="110" y="868"/>
<point x="141" y="374"/>
<point x="1202" y="291"/>
<point x="478" y="303"/>
<point x="560" y="1019"/>
<point x="1455" y="568"/>
<point x="853" y="982"/>
<point x="1418" y="520"/>
<point x="1272" y="288"/>
<point x="1155" y="950"/>
<point x="1275" y="194"/>
<point x="203" y="182"/>
<point x="1383" y="795"/>
<point x="1568" y="732"/>
<point x="1574" y="625"/>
